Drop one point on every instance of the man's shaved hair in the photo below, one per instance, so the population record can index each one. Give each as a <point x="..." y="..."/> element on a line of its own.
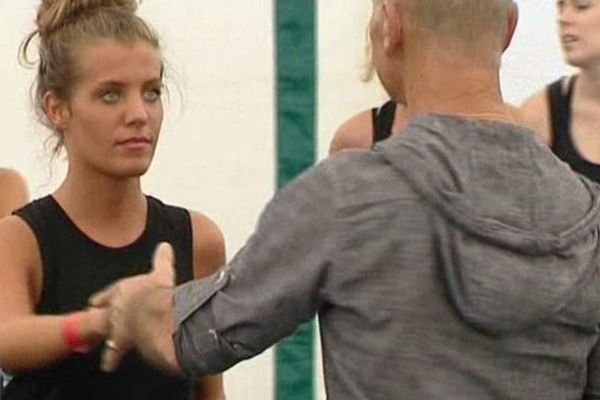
<point x="464" y="22"/>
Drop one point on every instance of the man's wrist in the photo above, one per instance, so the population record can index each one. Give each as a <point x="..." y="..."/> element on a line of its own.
<point x="94" y="326"/>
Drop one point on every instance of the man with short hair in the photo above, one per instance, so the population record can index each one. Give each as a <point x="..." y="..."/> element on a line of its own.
<point x="458" y="260"/>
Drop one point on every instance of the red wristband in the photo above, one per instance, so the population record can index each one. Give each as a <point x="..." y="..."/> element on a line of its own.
<point x="72" y="333"/>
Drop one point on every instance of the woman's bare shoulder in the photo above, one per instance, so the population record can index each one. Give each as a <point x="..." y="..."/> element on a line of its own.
<point x="534" y="114"/>
<point x="356" y="133"/>
<point x="13" y="190"/>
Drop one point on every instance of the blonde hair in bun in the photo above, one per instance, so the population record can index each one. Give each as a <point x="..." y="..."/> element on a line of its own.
<point x="53" y="14"/>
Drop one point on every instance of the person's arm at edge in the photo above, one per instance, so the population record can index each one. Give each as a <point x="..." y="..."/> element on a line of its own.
<point x="209" y="256"/>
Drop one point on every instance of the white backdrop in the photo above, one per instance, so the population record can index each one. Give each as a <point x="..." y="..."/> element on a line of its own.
<point x="217" y="150"/>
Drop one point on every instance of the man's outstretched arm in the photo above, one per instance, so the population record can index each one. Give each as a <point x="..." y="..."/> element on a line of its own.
<point x="272" y="285"/>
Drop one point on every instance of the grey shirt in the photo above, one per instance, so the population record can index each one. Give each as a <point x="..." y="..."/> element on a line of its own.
<point x="456" y="261"/>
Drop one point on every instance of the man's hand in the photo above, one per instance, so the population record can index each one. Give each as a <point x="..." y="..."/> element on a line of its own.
<point x="141" y="315"/>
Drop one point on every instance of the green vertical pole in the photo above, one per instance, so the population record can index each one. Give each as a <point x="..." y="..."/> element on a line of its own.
<point x="296" y="60"/>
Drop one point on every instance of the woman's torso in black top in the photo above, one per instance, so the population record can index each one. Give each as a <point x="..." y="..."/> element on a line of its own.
<point x="75" y="267"/>
<point x="560" y="98"/>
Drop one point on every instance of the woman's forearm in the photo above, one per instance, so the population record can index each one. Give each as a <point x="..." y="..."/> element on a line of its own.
<point x="34" y="341"/>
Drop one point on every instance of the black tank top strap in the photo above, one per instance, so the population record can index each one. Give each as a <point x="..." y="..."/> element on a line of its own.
<point x="176" y="228"/>
<point x="559" y="97"/>
<point x="374" y="112"/>
<point x="36" y="215"/>
<point x="384" y="121"/>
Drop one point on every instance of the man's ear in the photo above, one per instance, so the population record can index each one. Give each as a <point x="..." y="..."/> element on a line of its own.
<point x="57" y="111"/>
<point x="393" y="27"/>
<point x="513" y="20"/>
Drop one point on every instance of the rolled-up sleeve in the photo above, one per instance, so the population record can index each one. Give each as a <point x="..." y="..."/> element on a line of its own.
<point x="271" y="286"/>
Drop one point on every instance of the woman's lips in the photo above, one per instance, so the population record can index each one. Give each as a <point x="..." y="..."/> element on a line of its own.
<point x="135" y="144"/>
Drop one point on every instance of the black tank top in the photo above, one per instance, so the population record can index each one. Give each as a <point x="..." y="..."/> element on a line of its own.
<point x="560" y="98"/>
<point x="75" y="267"/>
<point x="383" y="121"/>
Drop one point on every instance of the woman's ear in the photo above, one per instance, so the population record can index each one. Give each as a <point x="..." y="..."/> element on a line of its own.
<point x="56" y="111"/>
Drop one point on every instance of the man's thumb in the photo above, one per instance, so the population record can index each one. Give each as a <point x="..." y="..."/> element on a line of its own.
<point x="163" y="264"/>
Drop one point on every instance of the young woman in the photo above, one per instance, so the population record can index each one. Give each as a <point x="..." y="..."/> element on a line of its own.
<point x="566" y="114"/>
<point x="99" y="84"/>
<point x="13" y="191"/>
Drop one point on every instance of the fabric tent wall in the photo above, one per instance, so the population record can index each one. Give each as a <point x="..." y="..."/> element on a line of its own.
<point x="219" y="149"/>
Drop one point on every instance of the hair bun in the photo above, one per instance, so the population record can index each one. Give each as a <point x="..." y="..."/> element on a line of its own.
<point x="54" y="14"/>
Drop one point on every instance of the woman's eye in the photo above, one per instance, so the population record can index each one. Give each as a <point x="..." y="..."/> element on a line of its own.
<point x="583" y="4"/>
<point x="152" y="95"/>
<point x="110" y="97"/>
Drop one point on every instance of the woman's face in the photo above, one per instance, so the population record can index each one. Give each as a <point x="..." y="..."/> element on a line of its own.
<point x="579" y="26"/>
<point x="113" y="118"/>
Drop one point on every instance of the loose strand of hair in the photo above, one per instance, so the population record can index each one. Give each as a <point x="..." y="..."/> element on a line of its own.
<point x="23" y="56"/>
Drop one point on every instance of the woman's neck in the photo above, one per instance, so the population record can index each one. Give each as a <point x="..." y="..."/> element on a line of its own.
<point x="588" y="85"/>
<point x="90" y="198"/>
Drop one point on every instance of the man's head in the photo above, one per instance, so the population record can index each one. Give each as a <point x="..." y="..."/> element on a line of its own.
<point x="462" y="23"/>
<point x="469" y="31"/>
